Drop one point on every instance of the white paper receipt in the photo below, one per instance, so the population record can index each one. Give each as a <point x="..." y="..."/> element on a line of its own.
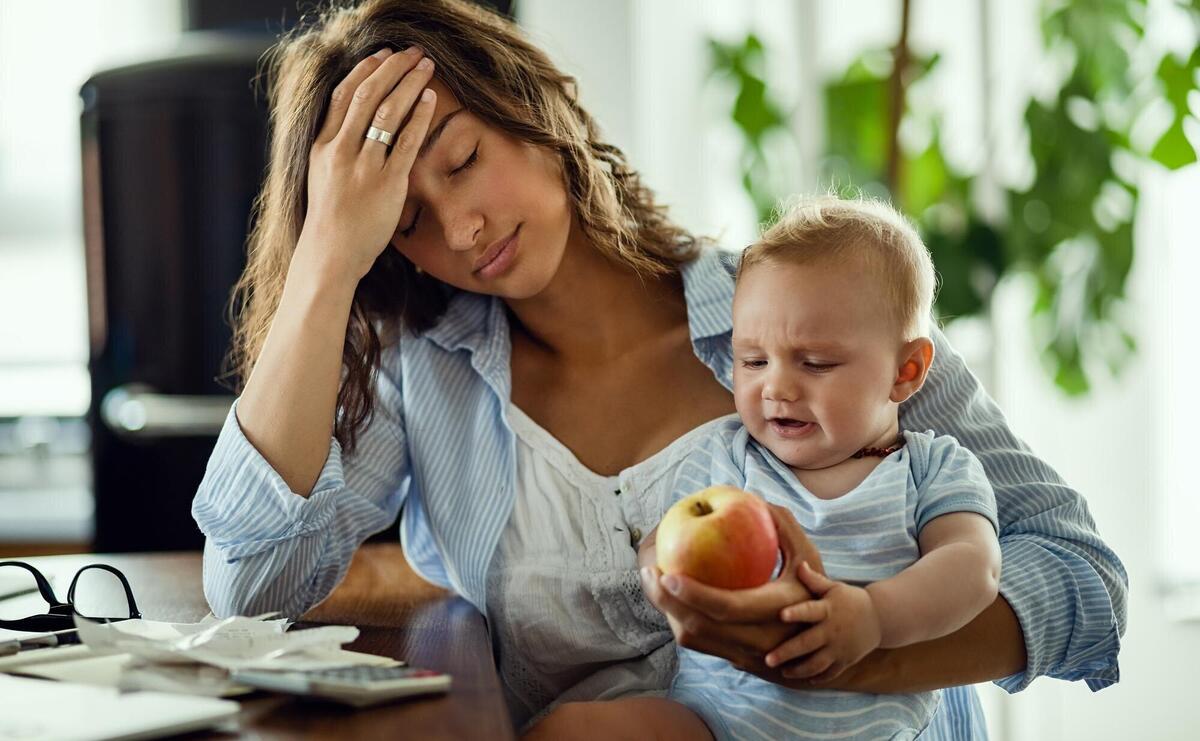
<point x="230" y="643"/>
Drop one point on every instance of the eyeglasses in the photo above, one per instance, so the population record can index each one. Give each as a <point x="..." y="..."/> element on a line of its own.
<point x="98" y="592"/>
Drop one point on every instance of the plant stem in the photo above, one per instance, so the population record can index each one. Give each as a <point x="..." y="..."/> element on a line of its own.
<point x="900" y="60"/>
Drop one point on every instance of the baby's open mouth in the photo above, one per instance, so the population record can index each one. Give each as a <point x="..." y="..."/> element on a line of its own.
<point x="788" y="422"/>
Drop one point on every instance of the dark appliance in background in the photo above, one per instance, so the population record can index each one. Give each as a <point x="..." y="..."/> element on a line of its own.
<point x="174" y="151"/>
<point x="173" y="155"/>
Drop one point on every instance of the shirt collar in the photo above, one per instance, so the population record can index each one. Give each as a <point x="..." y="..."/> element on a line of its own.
<point x="464" y="324"/>
<point x="708" y="290"/>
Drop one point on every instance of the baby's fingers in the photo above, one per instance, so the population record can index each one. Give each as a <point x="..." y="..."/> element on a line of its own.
<point x="817" y="583"/>
<point x="796" y="646"/>
<point x="812" y="666"/>
<point x="830" y="674"/>
<point x="813" y="611"/>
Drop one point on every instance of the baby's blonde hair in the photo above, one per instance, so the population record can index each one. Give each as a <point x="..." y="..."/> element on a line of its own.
<point x="868" y="234"/>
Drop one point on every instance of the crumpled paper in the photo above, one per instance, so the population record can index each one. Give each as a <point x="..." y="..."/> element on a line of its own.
<point x="228" y="643"/>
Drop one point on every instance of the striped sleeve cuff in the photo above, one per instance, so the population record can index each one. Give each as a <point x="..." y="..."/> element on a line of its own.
<point x="964" y="501"/>
<point x="244" y="506"/>
<point x="1065" y="614"/>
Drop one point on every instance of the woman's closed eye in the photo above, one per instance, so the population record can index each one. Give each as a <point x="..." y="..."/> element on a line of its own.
<point x="466" y="165"/>
<point x="469" y="162"/>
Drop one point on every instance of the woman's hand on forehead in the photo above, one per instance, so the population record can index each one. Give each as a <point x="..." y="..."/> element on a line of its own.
<point x="360" y="163"/>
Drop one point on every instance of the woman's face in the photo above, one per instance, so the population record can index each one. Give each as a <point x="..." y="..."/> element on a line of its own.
<point x="485" y="212"/>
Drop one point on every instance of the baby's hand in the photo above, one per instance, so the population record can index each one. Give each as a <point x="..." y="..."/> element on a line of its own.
<point x="845" y="628"/>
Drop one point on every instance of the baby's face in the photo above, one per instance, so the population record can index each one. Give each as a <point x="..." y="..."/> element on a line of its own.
<point x="815" y="358"/>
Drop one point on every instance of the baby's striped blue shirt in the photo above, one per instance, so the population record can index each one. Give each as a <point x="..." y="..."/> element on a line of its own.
<point x="868" y="534"/>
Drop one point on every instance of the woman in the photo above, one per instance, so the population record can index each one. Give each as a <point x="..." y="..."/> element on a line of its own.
<point x="494" y="325"/>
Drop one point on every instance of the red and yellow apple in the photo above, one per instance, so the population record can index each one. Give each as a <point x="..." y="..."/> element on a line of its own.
<point x="721" y="536"/>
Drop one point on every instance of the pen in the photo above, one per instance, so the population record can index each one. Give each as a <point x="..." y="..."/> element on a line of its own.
<point x="44" y="640"/>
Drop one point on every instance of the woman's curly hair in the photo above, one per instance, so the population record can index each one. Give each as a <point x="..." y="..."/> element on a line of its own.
<point x="498" y="76"/>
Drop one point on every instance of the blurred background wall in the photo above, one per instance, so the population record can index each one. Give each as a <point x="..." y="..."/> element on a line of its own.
<point x="1042" y="320"/>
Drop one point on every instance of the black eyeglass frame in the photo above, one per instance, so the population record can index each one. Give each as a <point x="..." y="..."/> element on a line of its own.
<point x="60" y="615"/>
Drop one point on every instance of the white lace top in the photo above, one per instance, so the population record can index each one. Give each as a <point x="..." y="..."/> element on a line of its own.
<point x="566" y="612"/>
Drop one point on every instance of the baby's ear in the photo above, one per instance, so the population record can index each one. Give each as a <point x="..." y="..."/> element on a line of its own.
<point x="915" y="359"/>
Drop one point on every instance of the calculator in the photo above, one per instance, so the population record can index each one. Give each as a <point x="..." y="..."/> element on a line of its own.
<point x="352" y="685"/>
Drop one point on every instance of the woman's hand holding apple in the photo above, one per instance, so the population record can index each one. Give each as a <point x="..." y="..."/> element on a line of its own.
<point x="740" y="625"/>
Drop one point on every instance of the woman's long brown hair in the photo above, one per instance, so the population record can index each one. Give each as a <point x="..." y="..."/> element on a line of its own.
<point x="498" y="76"/>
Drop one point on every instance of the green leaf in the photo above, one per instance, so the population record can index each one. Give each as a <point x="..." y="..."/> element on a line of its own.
<point x="855" y="126"/>
<point x="721" y="56"/>
<point x="1173" y="150"/>
<point x="1070" y="377"/>
<point x="1046" y="294"/>
<point x="925" y="179"/>
<point x="952" y="258"/>
<point x="1178" y="79"/>
<point x="1129" y="340"/>
<point x="1116" y="260"/>
<point x="754" y="113"/>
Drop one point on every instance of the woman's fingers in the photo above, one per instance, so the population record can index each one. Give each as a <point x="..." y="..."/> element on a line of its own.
<point x="369" y="94"/>
<point x="409" y="139"/>
<point x="692" y="629"/>
<point x="400" y="104"/>
<point x="793" y="541"/>
<point x="658" y="596"/>
<point x="737" y="644"/>
<point x="339" y="101"/>
<point x="754" y="605"/>
<point x="744" y="645"/>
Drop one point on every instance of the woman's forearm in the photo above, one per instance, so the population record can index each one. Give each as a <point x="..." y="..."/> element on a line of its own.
<point x="380" y="588"/>
<point x="288" y="405"/>
<point x="989" y="647"/>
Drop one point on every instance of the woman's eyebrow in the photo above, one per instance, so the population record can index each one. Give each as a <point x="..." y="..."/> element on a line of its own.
<point x="436" y="132"/>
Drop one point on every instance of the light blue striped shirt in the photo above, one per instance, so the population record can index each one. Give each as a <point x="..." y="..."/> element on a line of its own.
<point x="440" y="445"/>
<point x="866" y="535"/>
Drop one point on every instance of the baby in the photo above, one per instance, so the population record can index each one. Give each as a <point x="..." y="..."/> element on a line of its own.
<point x="830" y="336"/>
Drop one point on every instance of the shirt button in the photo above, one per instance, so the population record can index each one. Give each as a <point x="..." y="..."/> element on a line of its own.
<point x="634" y="536"/>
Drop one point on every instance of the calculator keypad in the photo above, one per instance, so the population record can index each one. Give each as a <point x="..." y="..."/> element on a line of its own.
<point x="370" y="673"/>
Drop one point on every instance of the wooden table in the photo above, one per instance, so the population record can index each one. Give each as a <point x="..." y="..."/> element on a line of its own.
<point x="425" y="627"/>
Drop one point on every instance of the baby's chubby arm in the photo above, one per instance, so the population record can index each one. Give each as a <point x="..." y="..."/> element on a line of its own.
<point x="957" y="576"/>
<point x="955" y="579"/>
